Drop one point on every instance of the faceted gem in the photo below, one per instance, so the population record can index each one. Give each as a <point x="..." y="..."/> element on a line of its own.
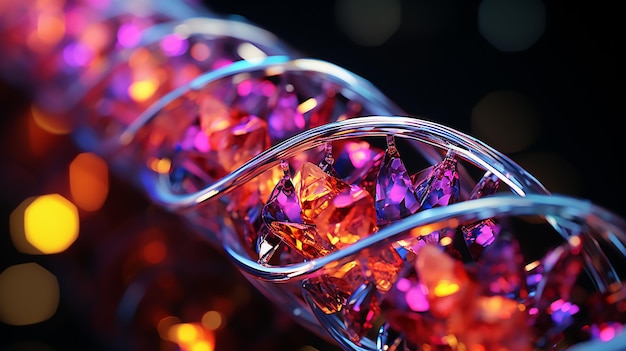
<point x="315" y="190"/>
<point x="283" y="204"/>
<point x="487" y="185"/>
<point x="191" y="171"/>
<point x="318" y="111"/>
<point x="331" y="291"/>
<point x="440" y="187"/>
<point x="406" y="309"/>
<point x="395" y="196"/>
<point x="552" y="309"/>
<point x="383" y="268"/>
<point x="492" y="323"/>
<point x="361" y="311"/>
<point x="303" y="238"/>
<point x="480" y="235"/>
<point x="347" y="216"/>
<point x="500" y="270"/>
<point x="267" y="244"/>
<point x="240" y="142"/>
<point x="361" y="162"/>
<point x="444" y="278"/>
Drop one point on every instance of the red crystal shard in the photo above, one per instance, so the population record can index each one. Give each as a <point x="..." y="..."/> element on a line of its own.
<point x="395" y="196"/>
<point x="361" y="311"/>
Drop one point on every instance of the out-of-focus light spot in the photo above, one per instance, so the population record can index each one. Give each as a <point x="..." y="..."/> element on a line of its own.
<point x="532" y="265"/>
<point x="248" y="51"/>
<point x="416" y="298"/>
<point x="50" y="27"/>
<point x="50" y="223"/>
<point x="77" y="55"/>
<point x="128" y="35"/>
<point x="51" y="124"/>
<point x="142" y="90"/>
<point x="97" y="36"/>
<point x="200" y="51"/>
<point x="212" y="320"/>
<point x="446" y="288"/>
<point x="445" y="241"/>
<point x="307" y="105"/>
<point x="164" y="326"/>
<point x="89" y="181"/>
<point x="29" y="294"/>
<point x="155" y="252"/>
<point x="358" y="153"/>
<point x="201" y="346"/>
<point x="139" y="57"/>
<point x="512" y="25"/>
<point x="506" y="120"/>
<point x="553" y="171"/>
<point x="368" y="22"/>
<point x="174" y="45"/>
<point x="160" y="165"/>
<point x="185" y="333"/>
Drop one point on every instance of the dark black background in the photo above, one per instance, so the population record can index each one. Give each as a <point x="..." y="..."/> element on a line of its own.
<point x="439" y="70"/>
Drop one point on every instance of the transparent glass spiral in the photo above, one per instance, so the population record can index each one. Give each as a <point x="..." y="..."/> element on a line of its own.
<point x="372" y="228"/>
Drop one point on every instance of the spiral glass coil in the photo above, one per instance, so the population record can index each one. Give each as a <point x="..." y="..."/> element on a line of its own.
<point x="372" y="228"/>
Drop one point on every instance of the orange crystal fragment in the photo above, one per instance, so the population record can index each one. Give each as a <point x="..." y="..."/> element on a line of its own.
<point x="315" y="190"/>
<point x="303" y="238"/>
<point x="347" y="217"/>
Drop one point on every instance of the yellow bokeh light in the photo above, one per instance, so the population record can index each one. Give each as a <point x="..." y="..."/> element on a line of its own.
<point x="51" y="223"/>
<point x="89" y="181"/>
<point x="201" y="346"/>
<point x="29" y="294"/>
<point x="184" y="333"/>
<point x="446" y="288"/>
<point x="142" y="90"/>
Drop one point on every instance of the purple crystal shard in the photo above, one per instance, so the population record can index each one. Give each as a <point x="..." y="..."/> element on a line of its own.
<point x="440" y="187"/>
<point x="500" y="270"/>
<point x="553" y="310"/>
<point x="480" y="235"/>
<point x="283" y="204"/>
<point x="395" y="196"/>
<point x="487" y="185"/>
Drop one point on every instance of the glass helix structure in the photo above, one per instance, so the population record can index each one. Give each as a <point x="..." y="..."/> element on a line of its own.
<point x="370" y="227"/>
